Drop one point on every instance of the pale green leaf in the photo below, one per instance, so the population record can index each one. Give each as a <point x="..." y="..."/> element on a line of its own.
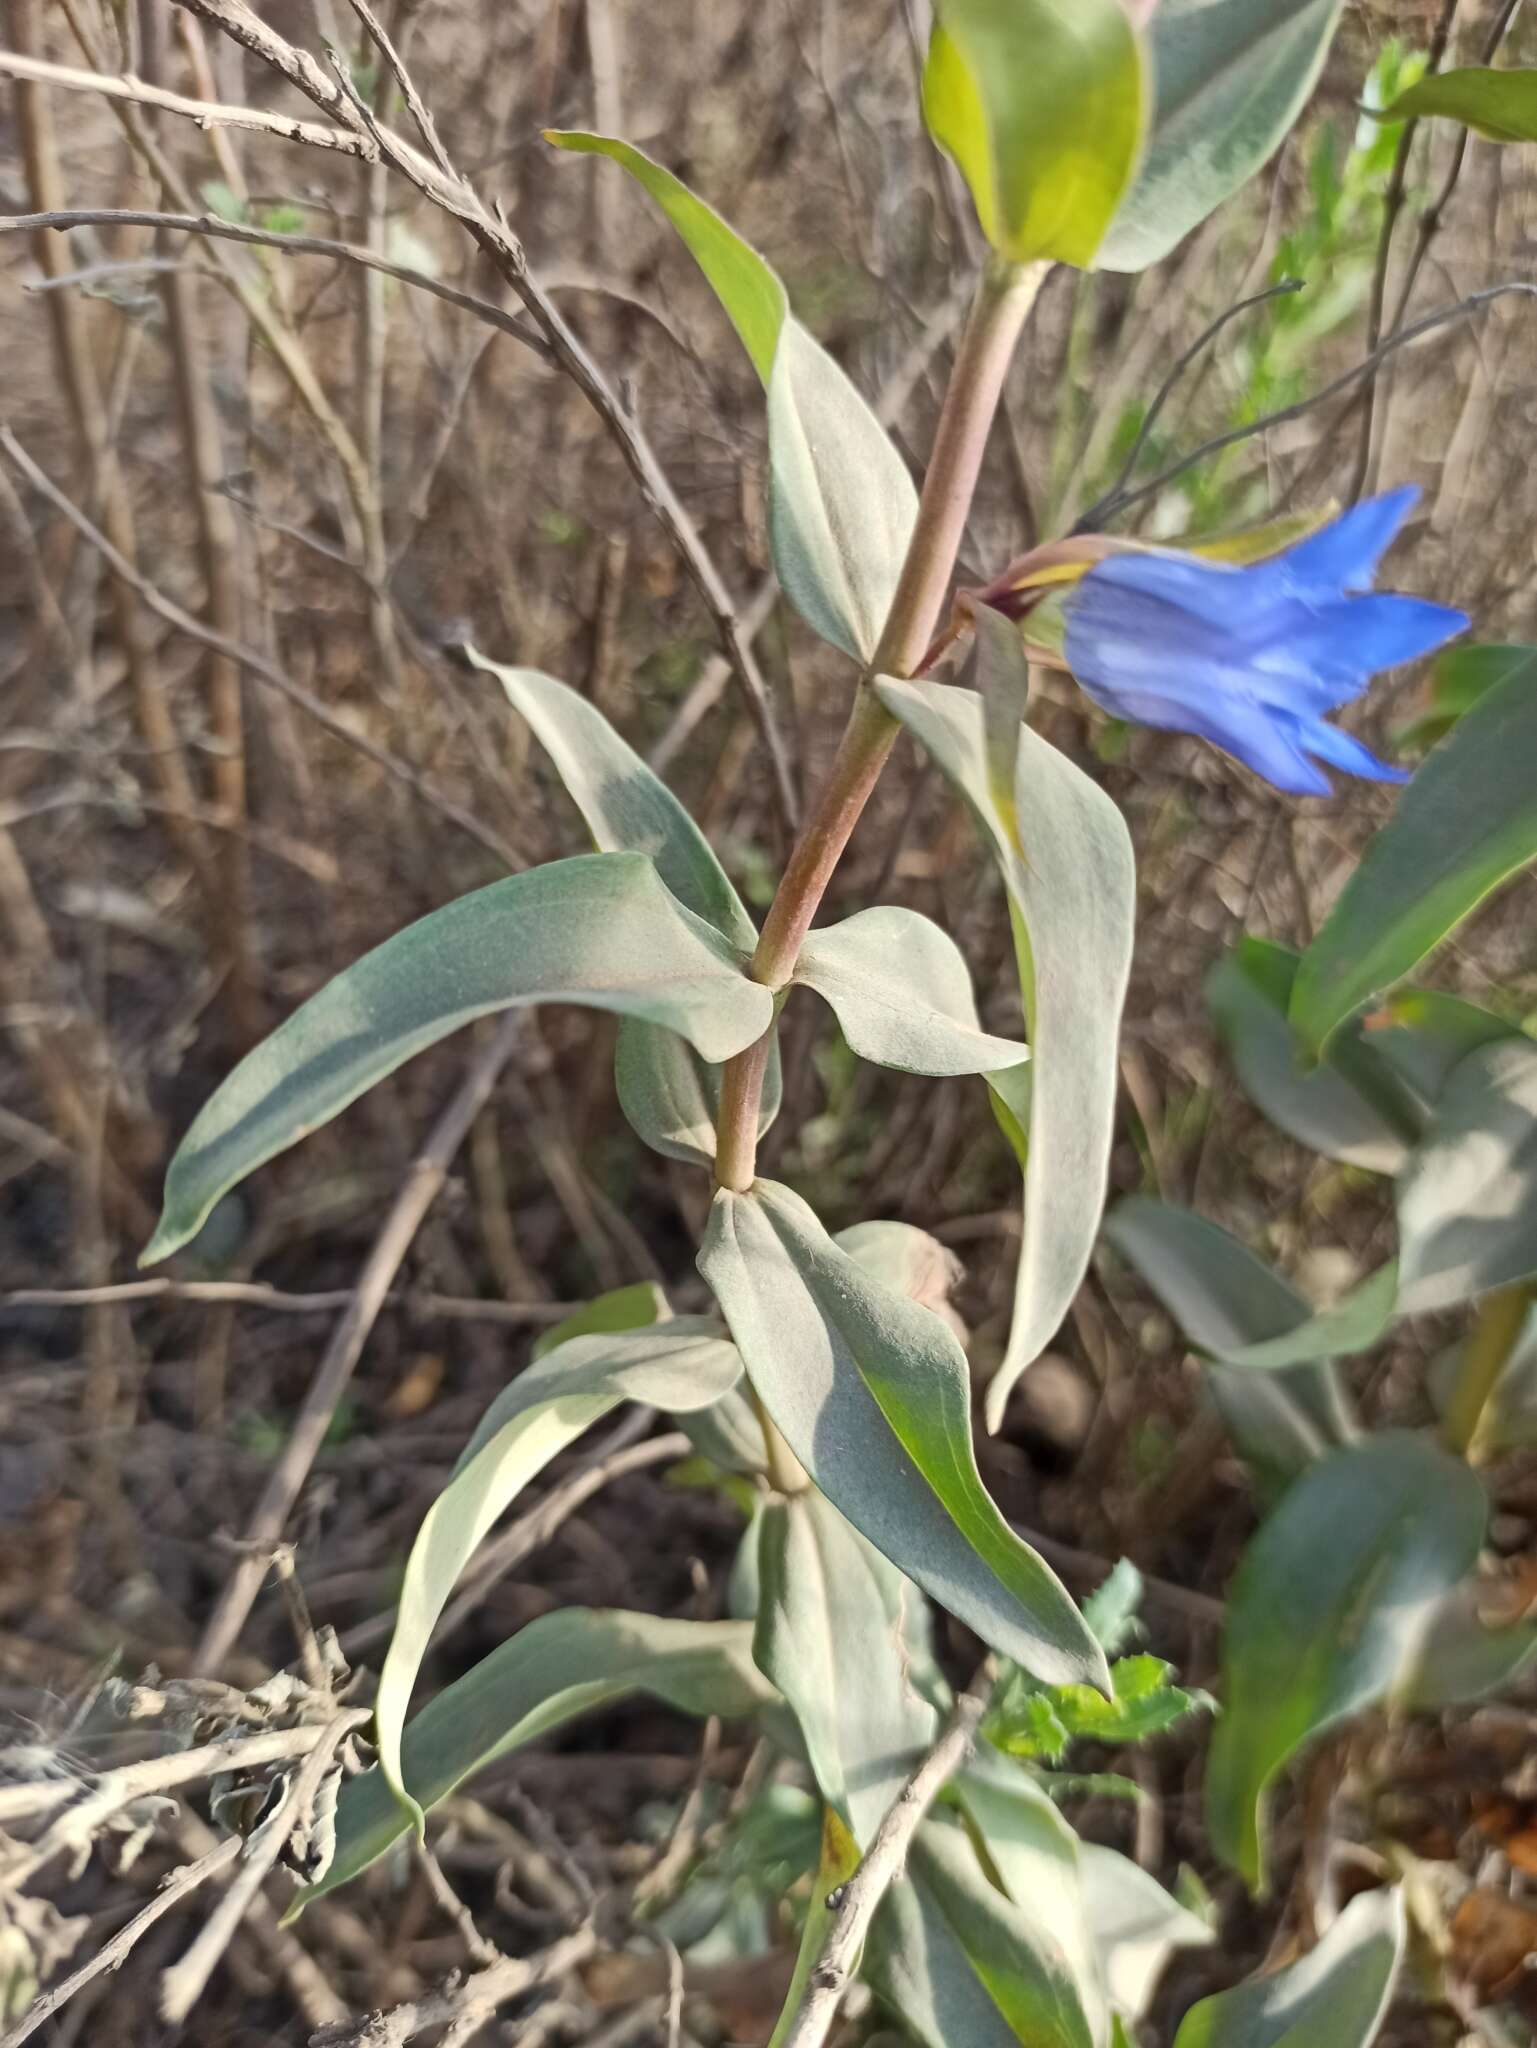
<point x="559" y="1666"/>
<point x="1336" y="1997"/>
<point x="670" y="1096"/>
<point x="749" y="291"/>
<point x="901" y="992"/>
<point x="1466" y="823"/>
<point x="1066" y="860"/>
<point x="873" y="1395"/>
<point x="682" y="1364"/>
<point x="1354" y="1107"/>
<point x="1500" y="105"/>
<point x="1230" y="78"/>
<point x="1232" y="1307"/>
<point x="1326" y="1611"/>
<point x="600" y="930"/>
<point x="1042" y="105"/>
<point x="841" y="502"/>
<point x="1136" y="1926"/>
<point x="831" y="1635"/>
<point x="958" y="1962"/>
<point x="1467" y="1203"/>
<point x="636" y="1307"/>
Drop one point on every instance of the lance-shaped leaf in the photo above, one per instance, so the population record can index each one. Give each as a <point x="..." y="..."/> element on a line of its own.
<point x="670" y="1096"/>
<point x="832" y="1624"/>
<point x="1230" y="78"/>
<point x="1467" y="1203"/>
<point x="681" y="1364"/>
<point x="1465" y="824"/>
<point x="1037" y="1859"/>
<point x="958" y="1962"/>
<point x="872" y="1394"/>
<point x="1353" y="1107"/>
<point x="901" y="992"/>
<point x="600" y="930"/>
<point x="1042" y="104"/>
<point x="841" y="503"/>
<point x="1281" y="1402"/>
<point x="1327" y="1610"/>
<point x="1136" y="1926"/>
<point x="1336" y="1997"/>
<point x="1066" y="860"/>
<point x="559" y="1666"/>
<point x="1500" y="105"/>
<point x="1461" y="677"/>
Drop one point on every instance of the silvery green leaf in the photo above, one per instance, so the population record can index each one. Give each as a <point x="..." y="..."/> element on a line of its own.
<point x="1231" y="1306"/>
<point x="600" y="930"/>
<point x="1230" y="77"/>
<point x="680" y="1364"/>
<point x="873" y="1395"/>
<point x="841" y="502"/>
<point x="561" y="1665"/>
<point x="1336" y="1997"/>
<point x="1327" y="1611"/>
<point x="1066" y="860"/>
<point x="900" y="989"/>
<point x="1135" y="1925"/>
<point x="958" y="1962"/>
<point x="831" y="1635"/>
<point x="670" y="1096"/>
<point x="1467" y="1202"/>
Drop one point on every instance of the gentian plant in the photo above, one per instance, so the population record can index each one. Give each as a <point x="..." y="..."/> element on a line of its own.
<point x="820" y="1373"/>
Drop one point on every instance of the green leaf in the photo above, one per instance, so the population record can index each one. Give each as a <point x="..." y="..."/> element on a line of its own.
<point x="1325" y="1613"/>
<point x="636" y="1307"/>
<point x="626" y="807"/>
<point x="1461" y="677"/>
<point x="1036" y="1858"/>
<point x="1029" y="1720"/>
<point x="1042" y="104"/>
<point x="841" y="502"/>
<point x="837" y="1861"/>
<point x="683" y="1364"/>
<point x="1336" y="1997"/>
<point x="1231" y="76"/>
<point x="901" y="991"/>
<point x="1460" y="1657"/>
<point x="559" y="1666"/>
<point x="669" y="1095"/>
<point x="873" y="1395"/>
<point x="1466" y="823"/>
<point x="600" y="930"/>
<point x="749" y="291"/>
<point x="1066" y="860"/>
<point x="1232" y="1307"/>
<point x="958" y="1962"/>
<point x="1501" y="105"/>
<point x="1509" y="1419"/>
<point x="1135" y="1924"/>
<point x="1424" y="1035"/>
<point x="1467" y="1203"/>
<point x="1355" y="1107"/>
<point x="831" y="1635"/>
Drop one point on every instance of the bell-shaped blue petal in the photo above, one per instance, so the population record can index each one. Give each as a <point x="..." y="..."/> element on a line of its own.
<point x="1251" y="658"/>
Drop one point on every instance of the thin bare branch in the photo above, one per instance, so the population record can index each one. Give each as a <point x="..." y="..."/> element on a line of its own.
<point x="266" y="671"/>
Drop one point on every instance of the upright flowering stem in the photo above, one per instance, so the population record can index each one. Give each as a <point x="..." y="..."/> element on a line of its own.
<point x="1005" y="295"/>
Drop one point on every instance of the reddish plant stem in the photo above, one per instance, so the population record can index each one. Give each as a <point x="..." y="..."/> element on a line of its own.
<point x="1005" y="295"/>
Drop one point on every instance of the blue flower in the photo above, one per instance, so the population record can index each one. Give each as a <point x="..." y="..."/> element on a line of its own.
<point x="1252" y="658"/>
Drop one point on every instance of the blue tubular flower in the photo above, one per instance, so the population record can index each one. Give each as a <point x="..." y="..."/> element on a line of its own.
<point x="1252" y="658"/>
